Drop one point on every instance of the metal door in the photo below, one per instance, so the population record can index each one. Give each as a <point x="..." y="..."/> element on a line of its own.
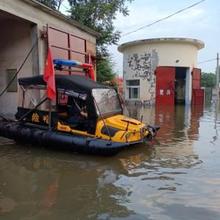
<point x="196" y="78"/>
<point x="68" y="46"/>
<point x="165" y="85"/>
<point x="197" y="92"/>
<point x="198" y="96"/>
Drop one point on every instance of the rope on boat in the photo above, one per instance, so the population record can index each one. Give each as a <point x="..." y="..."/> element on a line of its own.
<point x="4" y="118"/>
<point x="31" y="110"/>
<point x="19" y="69"/>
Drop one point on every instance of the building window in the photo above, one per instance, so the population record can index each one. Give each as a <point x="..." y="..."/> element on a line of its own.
<point x="133" y="93"/>
<point x="133" y="87"/>
<point x="135" y="82"/>
<point x="10" y="74"/>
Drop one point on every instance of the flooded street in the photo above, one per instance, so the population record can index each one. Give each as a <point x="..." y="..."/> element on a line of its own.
<point x="177" y="176"/>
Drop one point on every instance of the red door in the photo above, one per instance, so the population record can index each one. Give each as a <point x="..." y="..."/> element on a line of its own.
<point x="165" y="85"/>
<point x="197" y="92"/>
<point x="196" y="78"/>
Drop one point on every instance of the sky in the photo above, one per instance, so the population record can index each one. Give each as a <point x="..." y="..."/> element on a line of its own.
<point x="200" y="22"/>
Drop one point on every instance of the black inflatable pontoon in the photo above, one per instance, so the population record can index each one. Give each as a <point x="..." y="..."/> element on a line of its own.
<point x="59" y="140"/>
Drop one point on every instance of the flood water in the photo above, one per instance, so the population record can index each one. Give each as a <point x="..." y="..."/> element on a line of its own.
<point x="177" y="176"/>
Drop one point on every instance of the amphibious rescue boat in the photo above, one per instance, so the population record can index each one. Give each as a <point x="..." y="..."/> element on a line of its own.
<point x="85" y="117"/>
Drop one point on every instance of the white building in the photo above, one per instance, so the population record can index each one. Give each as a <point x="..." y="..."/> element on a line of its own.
<point x="161" y="69"/>
<point x="26" y="24"/>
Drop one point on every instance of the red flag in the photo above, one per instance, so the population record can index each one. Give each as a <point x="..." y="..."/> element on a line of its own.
<point x="49" y="77"/>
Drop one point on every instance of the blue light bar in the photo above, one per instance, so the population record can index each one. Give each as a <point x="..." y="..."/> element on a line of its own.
<point x="69" y="63"/>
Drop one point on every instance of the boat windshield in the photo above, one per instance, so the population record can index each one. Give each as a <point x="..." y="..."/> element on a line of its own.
<point x="107" y="101"/>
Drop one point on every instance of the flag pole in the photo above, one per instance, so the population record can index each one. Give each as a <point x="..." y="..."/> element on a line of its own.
<point x="49" y="78"/>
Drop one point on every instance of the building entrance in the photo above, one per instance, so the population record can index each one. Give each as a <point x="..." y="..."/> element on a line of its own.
<point x="180" y="85"/>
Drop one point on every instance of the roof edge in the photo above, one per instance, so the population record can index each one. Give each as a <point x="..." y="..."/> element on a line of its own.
<point x="59" y="15"/>
<point x="198" y="43"/>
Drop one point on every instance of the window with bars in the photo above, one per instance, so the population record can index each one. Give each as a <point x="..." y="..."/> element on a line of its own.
<point x="133" y="87"/>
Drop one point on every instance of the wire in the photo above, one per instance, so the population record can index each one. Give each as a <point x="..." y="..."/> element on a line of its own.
<point x="164" y="18"/>
<point x="5" y="119"/>
<point x="206" y="61"/>
<point x="13" y="78"/>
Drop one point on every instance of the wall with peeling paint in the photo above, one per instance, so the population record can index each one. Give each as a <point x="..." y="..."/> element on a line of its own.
<point x="142" y="66"/>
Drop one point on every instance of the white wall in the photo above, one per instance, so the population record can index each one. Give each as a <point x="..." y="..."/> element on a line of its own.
<point x="37" y="14"/>
<point x="188" y="94"/>
<point x="15" y="43"/>
<point x="17" y="37"/>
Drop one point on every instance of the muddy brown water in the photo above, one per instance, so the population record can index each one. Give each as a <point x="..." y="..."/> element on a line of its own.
<point x="177" y="176"/>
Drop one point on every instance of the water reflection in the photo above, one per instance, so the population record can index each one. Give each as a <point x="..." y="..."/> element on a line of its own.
<point x="42" y="184"/>
<point x="152" y="181"/>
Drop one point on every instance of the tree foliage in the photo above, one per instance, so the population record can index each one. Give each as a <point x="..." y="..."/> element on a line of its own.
<point x="208" y="80"/>
<point x="105" y="70"/>
<point x="100" y="15"/>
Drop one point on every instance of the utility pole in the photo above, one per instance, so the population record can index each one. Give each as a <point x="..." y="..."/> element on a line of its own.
<point x="217" y="78"/>
<point x="217" y="96"/>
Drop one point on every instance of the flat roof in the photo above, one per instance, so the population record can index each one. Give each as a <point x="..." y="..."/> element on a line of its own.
<point x="198" y="43"/>
<point x="61" y="16"/>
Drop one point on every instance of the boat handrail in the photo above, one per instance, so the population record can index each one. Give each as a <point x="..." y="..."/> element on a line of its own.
<point x="31" y="110"/>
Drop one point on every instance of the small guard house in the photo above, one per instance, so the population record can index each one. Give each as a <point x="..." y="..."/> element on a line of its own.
<point x="162" y="71"/>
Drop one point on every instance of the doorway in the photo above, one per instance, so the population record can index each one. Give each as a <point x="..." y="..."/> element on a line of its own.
<point x="180" y="85"/>
<point x="15" y="41"/>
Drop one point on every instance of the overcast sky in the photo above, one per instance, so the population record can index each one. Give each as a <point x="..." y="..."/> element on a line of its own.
<point x="201" y="22"/>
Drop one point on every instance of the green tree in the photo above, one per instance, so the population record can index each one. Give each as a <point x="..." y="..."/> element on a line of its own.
<point x="104" y="70"/>
<point x="100" y="15"/>
<point x="208" y="80"/>
<point x="55" y="4"/>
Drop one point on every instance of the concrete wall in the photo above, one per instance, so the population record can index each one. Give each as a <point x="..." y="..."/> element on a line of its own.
<point x="139" y="62"/>
<point x="15" y="43"/>
<point x="31" y="11"/>
<point x="141" y="59"/>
